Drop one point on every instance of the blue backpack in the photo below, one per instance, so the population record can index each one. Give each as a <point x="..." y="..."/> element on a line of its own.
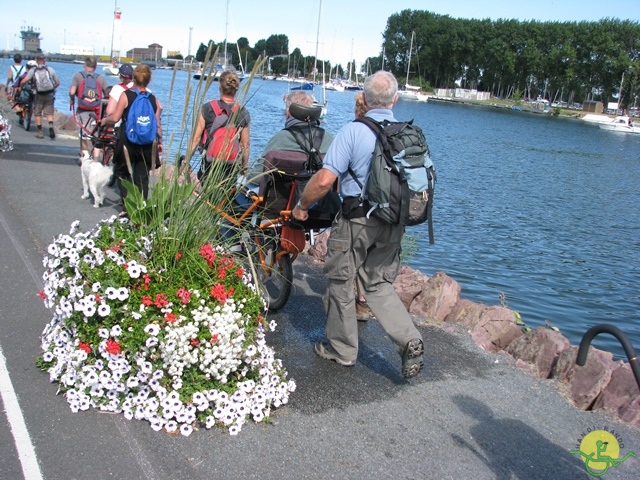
<point x="141" y="125"/>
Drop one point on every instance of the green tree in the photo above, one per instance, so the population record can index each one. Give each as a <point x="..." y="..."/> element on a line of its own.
<point x="277" y="45"/>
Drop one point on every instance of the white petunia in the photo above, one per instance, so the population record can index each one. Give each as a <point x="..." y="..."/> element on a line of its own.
<point x="186" y="430"/>
<point x="123" y="294"/>
<point x="152" y="329"/>
<point x="134" y="271"/>
<point x="171" y="426"/>
<point x="111" y="293"/>
<point x="104" y="310"/>
<point x="103" y="333"/>
<point x="116" y="331"/>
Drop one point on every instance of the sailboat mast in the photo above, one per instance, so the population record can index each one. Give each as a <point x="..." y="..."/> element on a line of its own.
<point x="226" y="29"/>
<point x="409" y="62"/>
<point x="315" y="61"/>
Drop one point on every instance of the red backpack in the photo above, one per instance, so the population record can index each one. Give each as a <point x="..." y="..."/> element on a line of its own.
<point x="222" y="141"/>
<point x="89" y="93"/>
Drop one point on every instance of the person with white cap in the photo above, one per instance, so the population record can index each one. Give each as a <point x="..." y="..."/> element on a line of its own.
<point x="46" y="82"/>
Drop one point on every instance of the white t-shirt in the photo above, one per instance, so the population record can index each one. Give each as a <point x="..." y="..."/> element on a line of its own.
<point x="117" y="90"/>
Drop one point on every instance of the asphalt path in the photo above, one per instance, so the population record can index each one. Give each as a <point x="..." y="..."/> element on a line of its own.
<point x="468" y="414"/>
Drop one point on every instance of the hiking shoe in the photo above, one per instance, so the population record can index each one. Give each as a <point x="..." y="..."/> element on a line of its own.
<point x="363" y="312"/>
<point x="39" y="134"/>
<point x="412" y="360"/>
<point x="52" y="134"/>
<point x="327" y="352"/>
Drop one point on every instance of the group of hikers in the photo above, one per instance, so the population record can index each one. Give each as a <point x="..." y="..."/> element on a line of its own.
<point x="33" y="86"/>
<point x="363" y="249"/>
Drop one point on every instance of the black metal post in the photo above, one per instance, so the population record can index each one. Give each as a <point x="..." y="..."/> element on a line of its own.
<point x="583" y="350"/>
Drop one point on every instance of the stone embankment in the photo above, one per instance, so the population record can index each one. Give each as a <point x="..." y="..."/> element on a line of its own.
<point x="601" y="384"/>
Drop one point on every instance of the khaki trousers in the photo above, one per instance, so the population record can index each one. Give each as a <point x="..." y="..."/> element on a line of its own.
<point x="370" y="249"/>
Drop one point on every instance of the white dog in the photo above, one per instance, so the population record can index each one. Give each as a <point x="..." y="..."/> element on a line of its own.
<point x="94" y="178"/>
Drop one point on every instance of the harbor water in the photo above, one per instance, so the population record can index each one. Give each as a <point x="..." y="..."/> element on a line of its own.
<point x="541" y="211"/>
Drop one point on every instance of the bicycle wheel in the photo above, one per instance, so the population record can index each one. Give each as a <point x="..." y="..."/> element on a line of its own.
<point x="275" y="282"/>
<point x="27" y="117"/>
<point x="107" y="156"/>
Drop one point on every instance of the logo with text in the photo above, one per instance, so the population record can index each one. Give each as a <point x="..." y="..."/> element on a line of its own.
<point x="600" y="450"/>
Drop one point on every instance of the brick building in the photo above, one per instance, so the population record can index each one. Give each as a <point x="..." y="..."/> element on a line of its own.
<point x="152" y="53"/>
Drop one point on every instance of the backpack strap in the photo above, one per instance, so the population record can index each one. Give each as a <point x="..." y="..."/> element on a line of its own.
<point x="310" y="145"/>
<point x="376" y="128"/>
<point x="221" y="119"/>
<point x="17" y="72"/>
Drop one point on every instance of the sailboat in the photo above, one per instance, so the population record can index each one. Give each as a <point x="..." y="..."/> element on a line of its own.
<point x="315" y="70"/>
<point x="114" y="69"/>
<point x="412" y="92"/>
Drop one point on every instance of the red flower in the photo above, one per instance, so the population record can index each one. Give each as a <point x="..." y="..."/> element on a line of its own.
<point x="125" y="266"/>
<point x="86" y="347"/>
<point x="113" y="347"/>
<point x="222" y="273"/>
<point x="207" y="252"/>
<point x="42" y="295"/>
<point x="98" y="298"/>
<point x="194" y="342"/>
<point x="161" y="300"/>
<point x="146" y="300"/>
<point x="178" y="255"/>
<point x="239" y="272"/>
<point x="215" y="338"/>
<point x="219" y="293"/>
<point x="170" y="317"/>
<point x="184" y="295"/>
<point x="147" y="281"/>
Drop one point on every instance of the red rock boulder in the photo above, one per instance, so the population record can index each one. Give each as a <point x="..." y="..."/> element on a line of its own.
<point x="619" y="392"/>
<point x="539" y="347"/>
<point x="437" y="298"/>
<point x="408" y="284"/>
<point x="587" y="382"/>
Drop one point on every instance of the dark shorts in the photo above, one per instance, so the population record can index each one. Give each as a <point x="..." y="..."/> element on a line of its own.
<point x="43" y="104"/>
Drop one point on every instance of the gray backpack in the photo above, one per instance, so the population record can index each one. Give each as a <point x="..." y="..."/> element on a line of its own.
<point x="44" y="82"/>
<point x="402" y="178"/>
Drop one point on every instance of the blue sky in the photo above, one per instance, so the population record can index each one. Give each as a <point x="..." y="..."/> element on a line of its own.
<point x="346" y="26"/>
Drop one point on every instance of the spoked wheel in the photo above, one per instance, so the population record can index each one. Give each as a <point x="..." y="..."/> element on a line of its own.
<point x="275" y="275"/>
<point x="27" y="118"/>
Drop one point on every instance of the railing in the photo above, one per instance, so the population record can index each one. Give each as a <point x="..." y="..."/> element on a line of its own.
<point x="583" y="350"/>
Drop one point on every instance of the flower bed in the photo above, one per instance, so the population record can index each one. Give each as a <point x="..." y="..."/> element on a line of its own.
<point x="178" y="342"/>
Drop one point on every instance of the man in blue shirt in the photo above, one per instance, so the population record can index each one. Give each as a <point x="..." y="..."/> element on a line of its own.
<point x="362" y="246"/>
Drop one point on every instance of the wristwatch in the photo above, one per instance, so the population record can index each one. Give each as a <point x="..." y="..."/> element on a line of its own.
<point x="299" y="205"/>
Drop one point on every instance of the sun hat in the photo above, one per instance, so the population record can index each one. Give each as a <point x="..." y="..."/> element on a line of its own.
<point x="126" y="70"/>
<point x="32" y="63"/>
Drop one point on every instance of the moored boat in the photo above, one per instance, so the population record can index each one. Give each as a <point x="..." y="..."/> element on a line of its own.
<point x="622" y="124"/>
